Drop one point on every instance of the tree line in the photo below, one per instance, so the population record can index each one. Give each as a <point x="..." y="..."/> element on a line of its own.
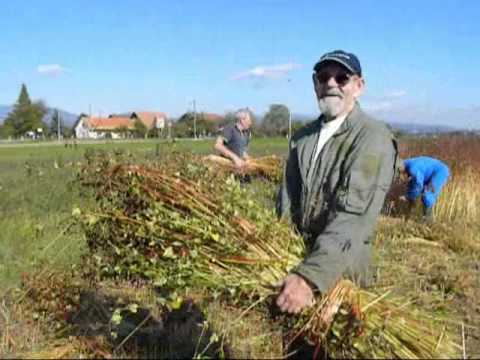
<point x="275" y="122"/>
<point x="27" y="120"/>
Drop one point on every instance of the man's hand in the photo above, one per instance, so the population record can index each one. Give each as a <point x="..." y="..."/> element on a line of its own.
<point x="296" y="294"/>
<point x="239" y="163"/>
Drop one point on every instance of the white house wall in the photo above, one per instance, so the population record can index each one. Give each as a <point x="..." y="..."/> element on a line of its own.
<point x="85" y="132"/>
<point x="81" y="132"/>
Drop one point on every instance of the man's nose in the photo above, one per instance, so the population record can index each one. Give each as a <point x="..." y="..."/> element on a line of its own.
<point x="331" y="82"/>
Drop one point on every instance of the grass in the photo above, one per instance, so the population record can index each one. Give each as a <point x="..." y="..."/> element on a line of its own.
<point x="35" y="211"/>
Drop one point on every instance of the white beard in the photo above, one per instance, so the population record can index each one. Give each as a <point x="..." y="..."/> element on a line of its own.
<point x="331" y="106"/>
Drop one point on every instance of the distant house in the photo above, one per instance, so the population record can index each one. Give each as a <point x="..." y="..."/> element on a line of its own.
<point x="152" y="120"/>
<point x="117" y="126"/>
<point x="114" y="127"/>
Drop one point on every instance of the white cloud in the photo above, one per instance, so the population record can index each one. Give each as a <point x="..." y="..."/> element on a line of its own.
<point x="426" y="114"/>
<point x="51" y="69"/>
<point x="396" y="94"/>
<point x="385" y="102"/>
<point x="377" y="105"/>
<point x="266" y="72"/>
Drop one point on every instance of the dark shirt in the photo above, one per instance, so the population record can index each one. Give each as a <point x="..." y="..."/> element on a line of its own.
<point x="236" y="140"/>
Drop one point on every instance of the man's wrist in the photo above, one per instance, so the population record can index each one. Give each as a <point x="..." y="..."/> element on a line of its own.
<point x="307" y="281"/>
<point x="311" y="277"/>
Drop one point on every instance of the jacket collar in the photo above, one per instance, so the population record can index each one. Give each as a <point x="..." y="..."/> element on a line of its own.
<point x="349" y="121"/>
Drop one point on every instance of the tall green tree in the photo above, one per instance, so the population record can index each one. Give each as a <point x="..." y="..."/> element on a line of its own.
<point x="184" y="127"/>
<point x="25" y="116"/>
<point x="141" y="131"/>
<point x="275" y="121"/>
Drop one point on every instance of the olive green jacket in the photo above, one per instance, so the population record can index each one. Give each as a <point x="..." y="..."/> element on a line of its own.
<point x="335" y="202"/>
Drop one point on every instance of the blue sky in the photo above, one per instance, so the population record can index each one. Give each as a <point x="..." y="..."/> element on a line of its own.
<point x="420" y="58"/>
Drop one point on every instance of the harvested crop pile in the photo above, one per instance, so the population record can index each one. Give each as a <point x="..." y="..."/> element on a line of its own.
<point x="181" y="230"/>
<point x="268" y="167"/>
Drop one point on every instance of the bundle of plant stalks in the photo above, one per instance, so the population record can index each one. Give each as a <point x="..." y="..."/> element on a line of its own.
<point x="268" y="167"/>
<point x="179" y="232"/>
<point x="349" y="322"/>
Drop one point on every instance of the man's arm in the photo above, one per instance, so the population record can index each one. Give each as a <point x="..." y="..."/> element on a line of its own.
<point x="225" y="151"/>
<point x="345" y="243"/>
<point x="297" y="292"/>
<point x="415" y="185"/>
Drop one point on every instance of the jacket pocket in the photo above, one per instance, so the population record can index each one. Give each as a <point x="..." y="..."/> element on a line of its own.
<point x="358" y="194"/>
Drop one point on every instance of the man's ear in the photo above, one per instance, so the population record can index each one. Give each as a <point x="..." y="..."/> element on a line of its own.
<point x="359" y="87"/>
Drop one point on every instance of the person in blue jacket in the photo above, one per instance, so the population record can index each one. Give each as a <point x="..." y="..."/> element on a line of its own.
<point x="426" y="177"/>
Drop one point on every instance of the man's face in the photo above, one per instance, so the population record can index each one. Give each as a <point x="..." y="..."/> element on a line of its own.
<point x="336" y="89"/>
<point x="245" y="121"/>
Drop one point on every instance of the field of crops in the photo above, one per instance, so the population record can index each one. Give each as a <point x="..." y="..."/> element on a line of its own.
<point x="54" y="305"/>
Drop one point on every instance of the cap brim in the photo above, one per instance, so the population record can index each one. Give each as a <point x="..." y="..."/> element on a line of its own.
<point x="322" y="62"/>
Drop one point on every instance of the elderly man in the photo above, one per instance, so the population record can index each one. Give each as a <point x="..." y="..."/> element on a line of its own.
<point x="233" y="142"/>
<point x="338" y="172"/>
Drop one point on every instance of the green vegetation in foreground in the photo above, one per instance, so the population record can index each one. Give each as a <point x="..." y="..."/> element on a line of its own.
<point x="38" y="192"/>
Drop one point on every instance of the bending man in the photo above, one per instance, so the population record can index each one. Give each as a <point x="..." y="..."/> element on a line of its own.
<point x="426" y="177"/>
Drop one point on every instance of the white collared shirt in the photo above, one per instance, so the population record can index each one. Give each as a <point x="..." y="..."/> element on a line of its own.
<point x="328" y="129"/>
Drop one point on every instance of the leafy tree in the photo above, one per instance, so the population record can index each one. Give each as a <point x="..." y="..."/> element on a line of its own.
<point x="6" y="130"/>
<point x="184" y="127"/>
<point x="275" y="121"/>
<point x="25" y="116"/>
<point x="141" y="129"/>
<point x="67" y="132"/>
<point x="229" y="118"/>
<point x="181" y="129"/>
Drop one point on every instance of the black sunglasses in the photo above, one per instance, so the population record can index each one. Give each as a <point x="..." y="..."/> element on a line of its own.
<point x="342" y="78"/>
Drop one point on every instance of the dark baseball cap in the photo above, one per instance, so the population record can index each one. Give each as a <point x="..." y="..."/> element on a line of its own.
<point x="347" y="60"/>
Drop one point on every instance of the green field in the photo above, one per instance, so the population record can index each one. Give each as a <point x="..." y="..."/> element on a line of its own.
<point x="38" y="192"/>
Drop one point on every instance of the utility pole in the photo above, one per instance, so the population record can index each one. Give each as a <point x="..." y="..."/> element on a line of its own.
<point x="289" y="124"/>
<point x="289" y="118"/>
<point x="194" y="121"/>
<point x="58" y="124"/>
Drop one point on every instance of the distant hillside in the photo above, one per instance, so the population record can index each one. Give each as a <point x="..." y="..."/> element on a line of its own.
<point x="408" y="127"/>
<point x="413" y="128"/>
<point x="68" y="118"/>
<point x="4" y="110"/>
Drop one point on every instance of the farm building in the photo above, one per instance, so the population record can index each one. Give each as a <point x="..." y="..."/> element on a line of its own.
<point x="152" y="120"/>
<point x="117" y="126"/>
<point x="100" y="128"/>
